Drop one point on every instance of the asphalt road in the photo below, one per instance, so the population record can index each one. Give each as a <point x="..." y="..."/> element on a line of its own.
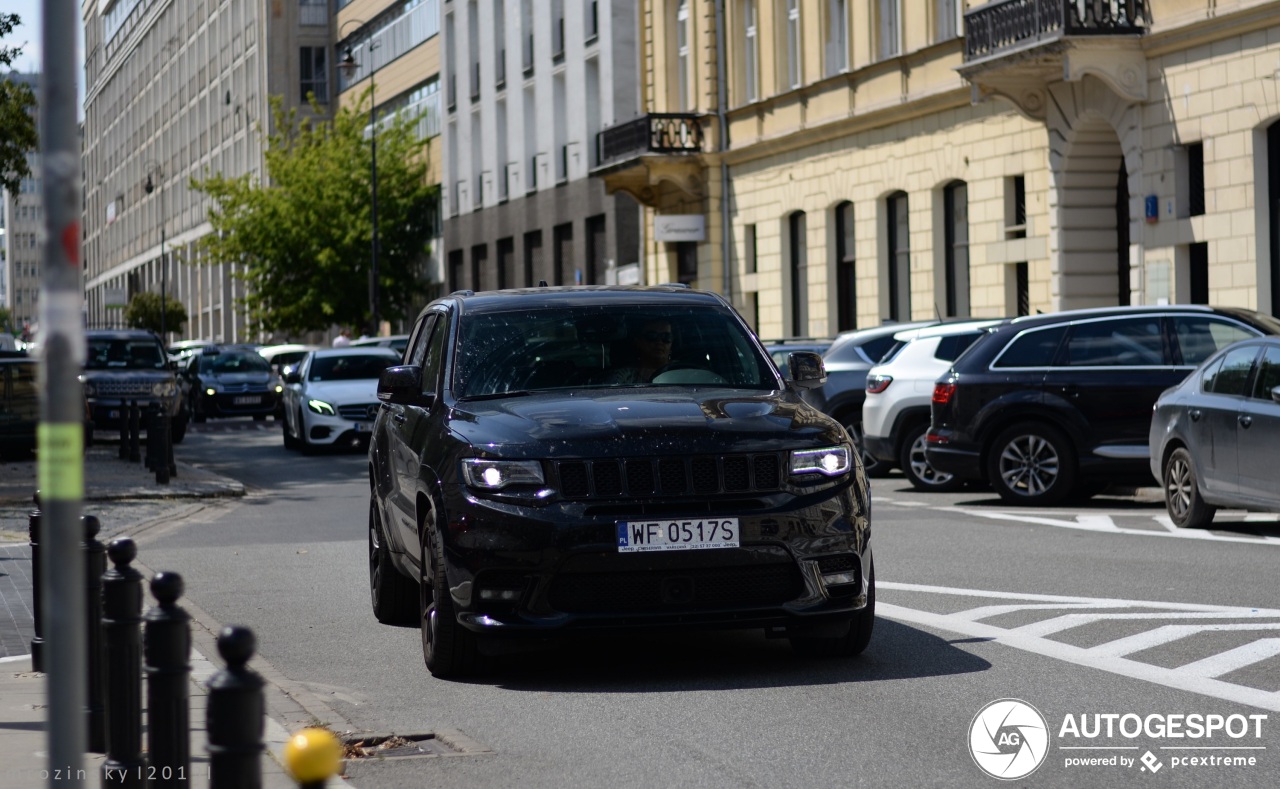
<point x="1084" y="613"/>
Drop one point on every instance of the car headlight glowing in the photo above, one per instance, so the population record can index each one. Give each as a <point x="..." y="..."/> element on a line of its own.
<point x="279" y="388"/>
<point x="831" y="461"/>
<point x="498" y="474"/>
<point x="211" y="391"/>
<point x="321" y="407"/>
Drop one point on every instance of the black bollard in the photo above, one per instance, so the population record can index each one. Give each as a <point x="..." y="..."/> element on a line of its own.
<point x="166" y="645"/>
<point x="134" y="417"/>
<point x="161" y="426"/>
<point x="33" y="534"/>
<point x="168" y="446"/>
<point x="121" y="615"/>
<point x="234" y="718"/>
<point x="124" y="430"/>
<point x="95" y="565"/>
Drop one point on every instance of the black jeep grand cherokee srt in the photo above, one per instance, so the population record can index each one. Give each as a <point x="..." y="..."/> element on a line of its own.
<point x="535" y="492"/>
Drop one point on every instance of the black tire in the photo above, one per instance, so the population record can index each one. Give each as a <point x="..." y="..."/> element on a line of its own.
<point x="393" y="596"/>
<point x="289" y="441"/>
<point x="448" y="648"/>
<point x="852" y="642"/>
<point x="914" y="464"/>
<point x="1187" y="508"/>
<point x="1033" y="464"/>
<point x="871" y="465"/>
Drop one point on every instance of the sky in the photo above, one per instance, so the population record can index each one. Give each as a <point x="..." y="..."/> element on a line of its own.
<point x="28" y="31"/>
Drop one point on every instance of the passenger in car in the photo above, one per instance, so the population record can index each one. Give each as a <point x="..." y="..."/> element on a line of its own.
<point x="649" y="345"/>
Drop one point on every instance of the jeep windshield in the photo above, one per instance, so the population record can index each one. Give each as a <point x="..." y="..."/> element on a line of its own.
<point x="125" y="355"/>
<point x="581" y="347"/>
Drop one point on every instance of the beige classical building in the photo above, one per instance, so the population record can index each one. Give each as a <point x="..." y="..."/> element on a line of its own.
<point x="394" y="46"/>
<point x="895" y="159"/>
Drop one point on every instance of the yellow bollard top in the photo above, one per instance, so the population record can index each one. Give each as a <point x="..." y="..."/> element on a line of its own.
<point x="313" y="755"/>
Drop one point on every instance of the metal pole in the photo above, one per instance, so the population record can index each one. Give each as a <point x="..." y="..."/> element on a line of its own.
<point x="373" y="144"/>
<point x="164" y="277"/>
<point x="61" y="432"/>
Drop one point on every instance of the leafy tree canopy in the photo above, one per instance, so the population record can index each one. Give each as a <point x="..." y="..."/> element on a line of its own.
<point x="17" y="118"/>
<point x="302" y="239"/>
<point x="143" y="312"/>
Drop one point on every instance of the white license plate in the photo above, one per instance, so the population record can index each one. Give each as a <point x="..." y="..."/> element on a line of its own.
<point x="247" y="400"/>
<point x="683" y="535"/>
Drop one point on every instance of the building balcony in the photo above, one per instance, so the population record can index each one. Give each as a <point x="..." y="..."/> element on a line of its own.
<point x="1014" y="48"/>
<point x="638" y="155"/>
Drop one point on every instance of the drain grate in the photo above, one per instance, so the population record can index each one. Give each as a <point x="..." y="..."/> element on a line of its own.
<point x="409" y="746"/>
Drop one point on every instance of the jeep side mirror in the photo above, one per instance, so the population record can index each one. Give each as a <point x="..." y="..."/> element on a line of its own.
<point x="807" y="370"/>
<point x="402" y="385"/>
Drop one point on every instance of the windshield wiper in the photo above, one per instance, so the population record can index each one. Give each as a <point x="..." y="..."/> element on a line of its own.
<point x="496" y="395"/>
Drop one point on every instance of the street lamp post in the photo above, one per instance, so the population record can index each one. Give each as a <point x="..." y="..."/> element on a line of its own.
<point x="150" y="186"/>
<point x="349" y="66"/>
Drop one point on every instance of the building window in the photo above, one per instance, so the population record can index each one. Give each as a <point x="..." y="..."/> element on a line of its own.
<point x="532" y="257"/>
<point x="1021" y="289"/>
<point x="1015" y="206"/>
<point x="682" y="54"/>
<point x="1199" y="271"/>
<point x="566" y="271"/>
<point x="890" y="33"/>
<point x="846" y="273"/>
<point x="945" y="19"/>
<point x="1123" y="290"/>
<point x="557" y="31"/>
<point x="455" y="269"/>
<point x="526" y="35"/>
<point x="799" y="274"/>
<point x="1195" y="179"/>
<point x="315" y="74"/>
<point x="750" y="50"/>
<point x="506" y="267"/>
<point x="479" y="256"/>
<point x="687" y="262"/>
<point x="955" y="199"/>
<point x="749" y="249"/>
<point x="595" y="273"/>
<point x="500" y="45"/>
<point x="791" y="43"/>
<point x="899" y="248"/>
<point x="592" y="13"/>
<point x="837" y="36"/>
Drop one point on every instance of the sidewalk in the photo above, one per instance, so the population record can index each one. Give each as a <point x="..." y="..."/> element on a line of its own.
<point x="133" y="489"/>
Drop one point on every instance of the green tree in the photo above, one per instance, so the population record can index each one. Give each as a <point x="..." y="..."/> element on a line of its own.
<point x="143" y="312"/>
<point x="17" y="118"/>
<point x="6" y="320"/>
<point x="302" y="239"/>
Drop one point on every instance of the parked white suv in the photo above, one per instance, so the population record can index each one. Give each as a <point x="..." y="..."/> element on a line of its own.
<point x="895" y="416"/>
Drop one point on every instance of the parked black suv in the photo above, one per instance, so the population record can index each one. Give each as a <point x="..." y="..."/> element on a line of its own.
<point x="1051" y="406"/>
<point x="526" y="467"/>
<point x="130" y="365"/>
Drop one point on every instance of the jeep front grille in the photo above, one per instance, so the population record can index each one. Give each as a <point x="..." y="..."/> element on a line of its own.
<point x="123" y="388"/>
<point x="669" y="476"/>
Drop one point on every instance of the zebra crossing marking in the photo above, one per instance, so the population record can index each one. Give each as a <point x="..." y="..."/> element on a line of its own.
<point x="1112" y="657"/>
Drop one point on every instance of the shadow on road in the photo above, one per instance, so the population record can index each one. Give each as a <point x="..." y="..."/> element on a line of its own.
<point x="722" y="661"/>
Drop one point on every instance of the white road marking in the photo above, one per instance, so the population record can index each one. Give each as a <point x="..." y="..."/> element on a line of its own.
<point x="1095" y="522"/>
<point x="1232" y="659"/>
<point x="1198" y="677"/>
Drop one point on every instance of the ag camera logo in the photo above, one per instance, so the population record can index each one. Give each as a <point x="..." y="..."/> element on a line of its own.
<point x="1008" y="739"/>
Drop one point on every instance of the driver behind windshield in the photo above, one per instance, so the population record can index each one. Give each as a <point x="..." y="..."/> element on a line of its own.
<point x="649" y="346"/>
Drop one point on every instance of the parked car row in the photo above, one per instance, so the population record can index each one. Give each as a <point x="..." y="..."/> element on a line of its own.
<point x="1049" y="408"/>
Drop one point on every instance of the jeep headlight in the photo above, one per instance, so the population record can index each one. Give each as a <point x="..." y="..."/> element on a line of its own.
<point x="829" y="461"/>
<point x="89" y="389"/>
<point x="498" y="474"/>
<point x="162" y="389"/>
